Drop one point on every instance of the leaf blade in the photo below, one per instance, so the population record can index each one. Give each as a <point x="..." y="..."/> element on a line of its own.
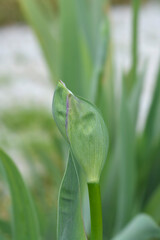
<point x="44" y="32"/>
<point x="25" y="224"/>
<point x="141" y="227"/>
<point x="69" y="212"/>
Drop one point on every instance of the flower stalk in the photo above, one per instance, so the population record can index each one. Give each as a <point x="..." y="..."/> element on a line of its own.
<point x="95" y="211"/>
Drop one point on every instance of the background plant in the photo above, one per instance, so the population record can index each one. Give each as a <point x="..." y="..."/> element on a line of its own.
<point x="79" y="52"/>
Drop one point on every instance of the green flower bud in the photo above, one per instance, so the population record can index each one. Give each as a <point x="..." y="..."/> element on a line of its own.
<point x="82" y="125"/>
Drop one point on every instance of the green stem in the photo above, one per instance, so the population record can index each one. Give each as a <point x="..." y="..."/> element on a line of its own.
<point x="95" y="211"/>
<point x="136" y="7"/>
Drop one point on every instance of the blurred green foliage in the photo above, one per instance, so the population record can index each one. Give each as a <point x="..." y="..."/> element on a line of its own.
<point x="10" y="10"/>
<point x="22" y="131"/>
<point x="77" y="47"/>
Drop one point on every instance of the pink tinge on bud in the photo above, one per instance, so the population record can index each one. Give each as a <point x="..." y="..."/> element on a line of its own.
<point x="62" y="83"/>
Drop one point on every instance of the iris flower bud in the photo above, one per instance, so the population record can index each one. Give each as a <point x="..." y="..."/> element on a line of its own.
<point x="83" y="127"/>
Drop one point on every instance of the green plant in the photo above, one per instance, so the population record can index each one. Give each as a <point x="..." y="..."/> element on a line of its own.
<point x="84" y="129"/>
<point x="23" y="210"/>
<point x="76" y="43"/>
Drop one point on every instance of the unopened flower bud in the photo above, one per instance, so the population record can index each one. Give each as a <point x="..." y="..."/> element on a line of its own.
<point x="83" y="126"/>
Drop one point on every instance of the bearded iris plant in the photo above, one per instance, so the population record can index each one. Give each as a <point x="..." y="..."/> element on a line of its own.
<point x="83" y="127"/>
<point x="77" y="46"/>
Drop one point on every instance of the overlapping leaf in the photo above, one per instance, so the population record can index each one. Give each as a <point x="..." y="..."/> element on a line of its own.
<point x="141" y="227"/>
<point x="70" y="224"/>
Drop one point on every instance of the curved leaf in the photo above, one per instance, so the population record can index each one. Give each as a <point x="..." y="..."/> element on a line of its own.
<point x="141" y="228"/>
<point x="70" y="224"/>
<point x="25" y="225"/>
<point x="42" y="26"/>
<point x="153" y="207"/>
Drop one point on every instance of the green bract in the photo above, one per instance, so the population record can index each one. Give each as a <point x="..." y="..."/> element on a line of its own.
<point x="59" y="107"/>
<point x="82" y="125"/>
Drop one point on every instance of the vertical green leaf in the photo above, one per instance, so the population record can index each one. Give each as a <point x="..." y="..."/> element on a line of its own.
<point x="24" y="222"/>
<point x="135" y="97"/>
<point x="150" y="141"/>
<point x="71" y="68"/>
<point x="109" y="194"/>
<point x="43" y="28"/>
<point x="101" y="57"/>
<point x="152" y="128"/>
<point x="84" y="20"/>
<point x="96" y="8"/>
<point x="125" y="147"/>
<point x="70" y="223"/>
<point x="80" y="23"/>
<point x="136" y="8"/>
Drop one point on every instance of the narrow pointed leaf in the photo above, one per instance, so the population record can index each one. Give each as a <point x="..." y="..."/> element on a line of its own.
<point x="43" y="28"/>
<point x="135" y="96"/>
<point x="125" y="157"/>
<point x="71" y="65"/>
<point x="70" y="223"/>
<point x="25" y="225"/>
<point x="101" y="57"/>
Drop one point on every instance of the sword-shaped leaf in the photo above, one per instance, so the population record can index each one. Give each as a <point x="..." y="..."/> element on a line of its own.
<point x="43" y="27"/>
<point x="70" y="223"/>
<point x="24" y="220"/>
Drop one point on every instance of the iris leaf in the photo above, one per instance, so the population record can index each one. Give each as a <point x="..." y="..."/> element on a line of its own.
<point x="141" y="227"/>
<point x="70" y="223"/>
<point x="24" y="223"/>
